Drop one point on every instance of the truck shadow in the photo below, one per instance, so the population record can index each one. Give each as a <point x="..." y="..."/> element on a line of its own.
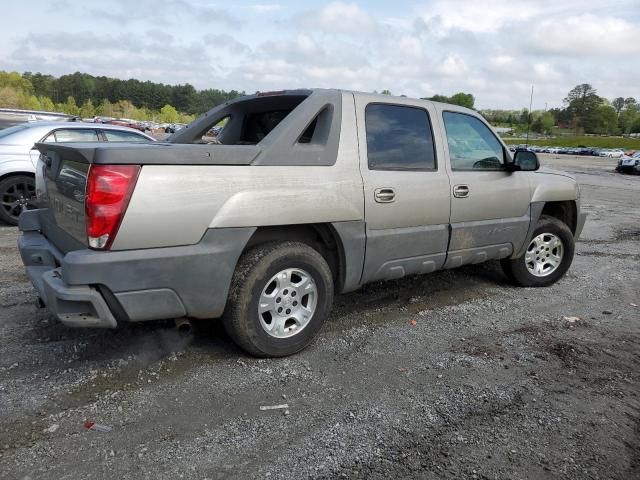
<point x="149" y="342"/>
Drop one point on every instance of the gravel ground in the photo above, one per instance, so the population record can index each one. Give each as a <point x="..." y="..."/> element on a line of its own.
<point x="451" y="375"/>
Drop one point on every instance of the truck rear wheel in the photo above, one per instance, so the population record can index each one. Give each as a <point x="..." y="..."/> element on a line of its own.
<point x="280" y="295"/>
<point x="547" y="257"/>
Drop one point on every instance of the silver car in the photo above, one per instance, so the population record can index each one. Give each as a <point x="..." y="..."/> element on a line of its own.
<point x="18" y="156"/>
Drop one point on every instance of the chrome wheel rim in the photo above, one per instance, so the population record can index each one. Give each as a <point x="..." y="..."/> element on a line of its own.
<point x="287" y="303"/>
<point x="544" y="254"/>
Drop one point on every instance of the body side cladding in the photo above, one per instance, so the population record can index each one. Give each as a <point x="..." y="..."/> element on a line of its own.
<point x="352" y="245"/>
<point x="199" y="274"/>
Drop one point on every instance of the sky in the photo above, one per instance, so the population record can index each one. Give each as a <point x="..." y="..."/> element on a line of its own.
<point x="495" y="50"/>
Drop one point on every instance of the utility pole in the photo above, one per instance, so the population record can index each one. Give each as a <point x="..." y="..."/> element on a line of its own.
<point x="529" y="118"/>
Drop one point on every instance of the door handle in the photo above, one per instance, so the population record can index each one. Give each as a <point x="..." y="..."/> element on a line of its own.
<point x="461" y="191"/>
<point x="384" y="195"/>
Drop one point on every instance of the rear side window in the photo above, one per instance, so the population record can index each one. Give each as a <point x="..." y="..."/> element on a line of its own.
<point x="472" y="145"/>
<point x="398" y="138"/>
<point x="118" y="136"/>
<point x="259" y="125"/>
<point x="76" y="135"/>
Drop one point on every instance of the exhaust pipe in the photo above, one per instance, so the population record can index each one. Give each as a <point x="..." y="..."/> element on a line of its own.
<point x="183" y="325"/>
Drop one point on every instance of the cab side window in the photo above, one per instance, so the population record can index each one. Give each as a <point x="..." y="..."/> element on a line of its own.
<point x="472" y="145"/>
<point x="399" y="138"/>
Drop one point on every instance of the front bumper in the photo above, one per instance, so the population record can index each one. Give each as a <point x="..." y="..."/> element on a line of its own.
<point x="87" y="288"/>
<point x="625" y="168"/>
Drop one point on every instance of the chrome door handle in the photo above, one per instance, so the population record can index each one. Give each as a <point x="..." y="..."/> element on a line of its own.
<point x="461" y="191"/>
<point x="384" y="195"/>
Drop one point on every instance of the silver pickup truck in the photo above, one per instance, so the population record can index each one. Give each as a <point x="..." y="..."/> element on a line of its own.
<point x="302" y="194"/>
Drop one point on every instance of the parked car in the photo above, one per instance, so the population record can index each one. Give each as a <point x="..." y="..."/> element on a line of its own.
<point x="612" y="153"/>
<point x="629" y="164"/>
<point x="306" y="193"/>
<point x="18" y="156"/>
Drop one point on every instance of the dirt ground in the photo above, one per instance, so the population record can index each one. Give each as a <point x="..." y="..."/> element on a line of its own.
<point x="491" y="381"/>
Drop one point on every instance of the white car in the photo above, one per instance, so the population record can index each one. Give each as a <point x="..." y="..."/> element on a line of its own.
<point x="18" y="156"/>
<point x="612" y="153"/>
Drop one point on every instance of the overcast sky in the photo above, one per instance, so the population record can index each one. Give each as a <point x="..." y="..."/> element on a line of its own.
<point x="493" y="49"/>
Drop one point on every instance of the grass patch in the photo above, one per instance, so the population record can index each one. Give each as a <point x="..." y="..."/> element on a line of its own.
<point x="625" y="143"/>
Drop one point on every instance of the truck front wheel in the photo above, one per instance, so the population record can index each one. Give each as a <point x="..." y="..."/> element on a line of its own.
<point x="547" y="257"/>
<point x="280" y="295"/>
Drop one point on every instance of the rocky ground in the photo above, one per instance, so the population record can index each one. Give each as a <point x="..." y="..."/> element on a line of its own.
<point x="451" y="375"/>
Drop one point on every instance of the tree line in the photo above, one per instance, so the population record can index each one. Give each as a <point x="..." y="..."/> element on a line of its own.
<point x="87" y="95"/>
<point x="583" y="111"/>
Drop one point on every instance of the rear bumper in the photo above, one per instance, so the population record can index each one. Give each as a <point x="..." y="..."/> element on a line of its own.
<point x="87" y="288"/>
<point x="75" y="306"/>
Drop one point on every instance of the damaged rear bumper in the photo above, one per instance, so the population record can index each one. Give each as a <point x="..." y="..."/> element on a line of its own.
<point x="88" y="288"/>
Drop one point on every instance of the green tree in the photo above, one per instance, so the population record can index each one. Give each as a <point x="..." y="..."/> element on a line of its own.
<point x="581" y="101"/>
<point x="463" y="99"/>
<point x="628" y="117"/>
<point x="15" y="81"/>
<point x="168" y="114"/>
<point x="30" y="102"/>
<point x="618" y="104"/>
<point x="603" y="119"/>
<point x="70" y="107"/>
<point x="386" y="92"/>
<point x="548" y="122"/>
<point x="635" y="126"/>
<point x="47" y="104"/>
<point x="9" y="97"/>
<point x="438" y="98"/>
<point x="87" y="110"/>
<point x="105" y="108"/>
<point x="460" y="98"/>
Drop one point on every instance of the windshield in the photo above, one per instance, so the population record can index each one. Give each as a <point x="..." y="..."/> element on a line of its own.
<point x="11" y="130"/>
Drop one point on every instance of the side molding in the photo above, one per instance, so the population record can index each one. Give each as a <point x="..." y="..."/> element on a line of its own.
<point x="535" y="210"/>
<point x="353" y="239"/>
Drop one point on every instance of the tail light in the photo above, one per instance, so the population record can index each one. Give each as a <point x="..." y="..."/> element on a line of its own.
<point x="109" y="188"/>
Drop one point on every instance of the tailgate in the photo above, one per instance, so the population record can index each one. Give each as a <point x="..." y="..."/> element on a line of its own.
<point x="61" y="180"/>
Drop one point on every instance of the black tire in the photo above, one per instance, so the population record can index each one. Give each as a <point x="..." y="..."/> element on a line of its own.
<point x="516" y="269"/>
<point x="255" y="268"/>
<point x="11" y="188"/>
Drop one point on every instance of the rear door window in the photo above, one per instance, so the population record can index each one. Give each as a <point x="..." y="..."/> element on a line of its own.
<point x="399" y="138"/>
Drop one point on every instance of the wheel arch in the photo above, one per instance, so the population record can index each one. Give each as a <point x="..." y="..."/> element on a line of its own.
<point x="566" y="211"/>
<point x="341" y="244"/>
<point x="16" y="173"/>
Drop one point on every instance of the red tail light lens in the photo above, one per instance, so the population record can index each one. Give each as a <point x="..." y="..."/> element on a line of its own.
<point x="109" y="188"/>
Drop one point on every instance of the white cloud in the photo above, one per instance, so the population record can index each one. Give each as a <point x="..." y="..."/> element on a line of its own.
<point x="495" y="50"/>
<point x="586" y="35"/>
<point x="339" y="17"/>
<point x="477" y="16"/>
<point x="265" y="7"/>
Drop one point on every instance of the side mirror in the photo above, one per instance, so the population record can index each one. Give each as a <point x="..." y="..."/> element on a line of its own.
<point x="526" y="161"/>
